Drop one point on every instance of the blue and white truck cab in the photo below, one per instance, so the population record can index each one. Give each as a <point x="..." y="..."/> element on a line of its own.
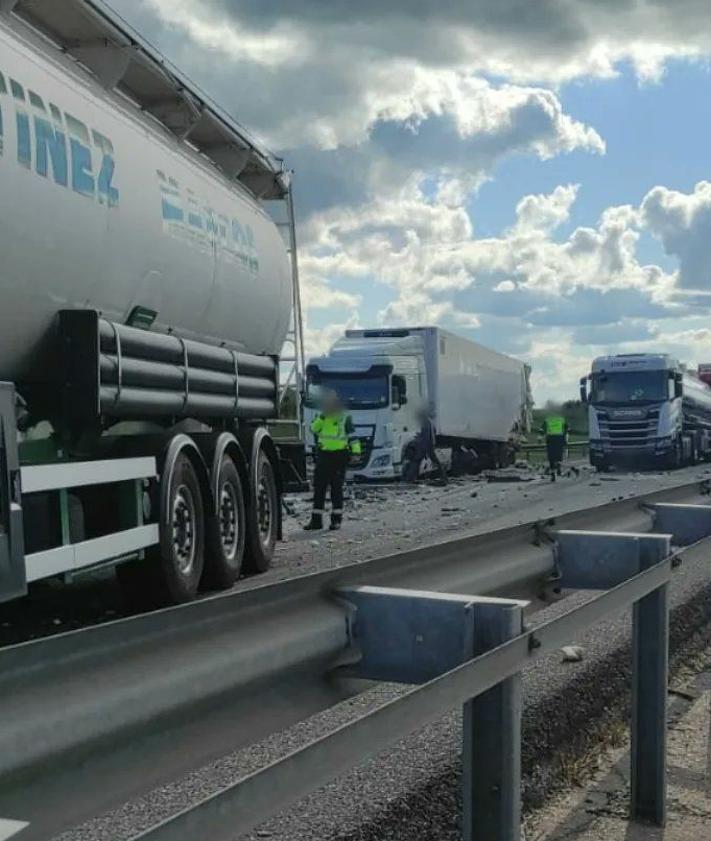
<point x="645" y="410"/>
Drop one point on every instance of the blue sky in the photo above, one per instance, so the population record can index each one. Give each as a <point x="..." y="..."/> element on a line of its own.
<point x="534" y="181"/>
<point x="655" y="133"/>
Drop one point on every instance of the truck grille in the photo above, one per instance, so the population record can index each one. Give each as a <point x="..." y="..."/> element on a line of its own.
<point x="629" y="432"/>
<point x="365" y="435"/>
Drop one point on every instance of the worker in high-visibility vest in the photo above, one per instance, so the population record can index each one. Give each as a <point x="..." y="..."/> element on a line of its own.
<point x="555" y="428"/>
<point x="335" y="444"/>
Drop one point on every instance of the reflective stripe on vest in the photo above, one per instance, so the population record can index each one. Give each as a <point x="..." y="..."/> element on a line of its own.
<point x="555" y="425"/>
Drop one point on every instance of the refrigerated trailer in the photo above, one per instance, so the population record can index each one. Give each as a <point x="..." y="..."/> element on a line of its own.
<point x="146" y="295"/>
<point x="480" y="399"/>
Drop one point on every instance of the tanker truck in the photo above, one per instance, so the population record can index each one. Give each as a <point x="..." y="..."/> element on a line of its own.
<point x="646" y="410"/>
<point x="145" y="298"/>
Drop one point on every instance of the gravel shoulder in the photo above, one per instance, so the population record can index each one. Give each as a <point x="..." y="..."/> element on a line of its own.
<point x="598" y="809"/>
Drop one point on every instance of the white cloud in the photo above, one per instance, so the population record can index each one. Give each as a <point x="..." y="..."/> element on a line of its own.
<point x="318" y="341"/>
<point x="551" y="40"/>
<point x="388" y="113"/>
<point x="525" y="291"/>
<point x="682" y="222"/>
<point x="280" y="46"/>
<point x="545" y="212"/>
<point x="327" y="85"/>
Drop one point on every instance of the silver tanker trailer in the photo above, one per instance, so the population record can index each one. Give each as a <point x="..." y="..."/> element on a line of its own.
<point x="145" y="298"/>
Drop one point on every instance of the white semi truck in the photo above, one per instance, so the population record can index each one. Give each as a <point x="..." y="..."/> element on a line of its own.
<point x="646" y="410"/>
<point x="481" y="398"/>
<point x="145" y="297"/>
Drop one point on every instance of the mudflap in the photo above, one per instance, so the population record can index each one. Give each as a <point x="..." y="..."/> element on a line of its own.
<point x="292" y="458"/>
<point x="13" y="581"/>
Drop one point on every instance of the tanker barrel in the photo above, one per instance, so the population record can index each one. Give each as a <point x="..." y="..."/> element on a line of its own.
<point x="161" y="347"/>
<point x="136" y="402"/>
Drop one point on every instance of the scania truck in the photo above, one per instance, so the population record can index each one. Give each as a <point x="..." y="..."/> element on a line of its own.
<point x="646" y="410"/>
<point x="480" y="399"/>
<point x="145" y="298"/>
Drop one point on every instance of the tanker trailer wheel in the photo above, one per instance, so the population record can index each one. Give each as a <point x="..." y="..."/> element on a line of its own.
<point x="262" y="517"/>
<point x="226" y="530"/>
<point x="180" y="556"/>
<point x="170" y="573"/>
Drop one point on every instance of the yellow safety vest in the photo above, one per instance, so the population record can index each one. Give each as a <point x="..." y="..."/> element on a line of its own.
<point x="334" y="433"/>
<point x="555" y="425"/>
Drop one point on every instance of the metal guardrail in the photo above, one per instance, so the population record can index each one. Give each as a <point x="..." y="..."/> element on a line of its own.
<point x="94" y="717"/>
<point x="488" y="685"/>
<point x="578" y="448"/>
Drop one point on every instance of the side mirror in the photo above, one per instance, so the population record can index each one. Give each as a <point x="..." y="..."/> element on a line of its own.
<point x="399" y="391"/>
<point x="678" y="385"/>
<point x="583" y="389"/>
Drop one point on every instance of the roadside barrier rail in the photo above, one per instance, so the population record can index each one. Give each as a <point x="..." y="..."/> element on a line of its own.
<point x="97" y="716"/>
<point x="408" y="636"/>
<point x="577" y="448"/>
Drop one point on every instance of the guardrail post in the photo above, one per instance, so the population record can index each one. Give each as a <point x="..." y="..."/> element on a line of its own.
<point x="412" y="637"/>
<point x="599" y="560"/>
<point x="650" y="652"/>
<point x="492" y="737"/>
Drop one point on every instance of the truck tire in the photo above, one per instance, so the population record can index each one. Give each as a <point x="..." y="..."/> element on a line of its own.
<point x="180" y="556"/>
<point x="262" y="517"/>
<point x="693" y="458"/>
<point x="675" y="457"/>
<point x="226" y="530"/>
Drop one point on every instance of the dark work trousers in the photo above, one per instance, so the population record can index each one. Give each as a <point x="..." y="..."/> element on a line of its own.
<point x="555" y="447"/>
<point x="330" y="473"/>
<point x="419" y="451"/>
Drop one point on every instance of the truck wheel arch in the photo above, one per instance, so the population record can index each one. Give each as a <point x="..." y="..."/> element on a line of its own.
<point x="182" y="443"/>
<point x="255" y="442"/>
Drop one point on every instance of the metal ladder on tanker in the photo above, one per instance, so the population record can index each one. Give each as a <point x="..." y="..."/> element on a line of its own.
<point x="291" y="379"/>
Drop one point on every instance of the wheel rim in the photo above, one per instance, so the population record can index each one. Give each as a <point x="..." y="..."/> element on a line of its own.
<point x="264" y="510"/>
<point x="229" y="522"/>
<point x="184" y="528"/>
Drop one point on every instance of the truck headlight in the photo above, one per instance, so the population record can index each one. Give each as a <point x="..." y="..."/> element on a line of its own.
<point x="381" y="461"/>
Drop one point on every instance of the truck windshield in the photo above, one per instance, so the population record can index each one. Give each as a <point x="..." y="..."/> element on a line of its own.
<point x="630" y="387"/>
<point x="357" y="391"/>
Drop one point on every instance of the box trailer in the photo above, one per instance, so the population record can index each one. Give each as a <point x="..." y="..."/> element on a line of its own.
<point x="480" y="399"/>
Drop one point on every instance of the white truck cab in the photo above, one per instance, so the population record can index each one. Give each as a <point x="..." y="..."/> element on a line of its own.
<point x="382" y="382"/>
